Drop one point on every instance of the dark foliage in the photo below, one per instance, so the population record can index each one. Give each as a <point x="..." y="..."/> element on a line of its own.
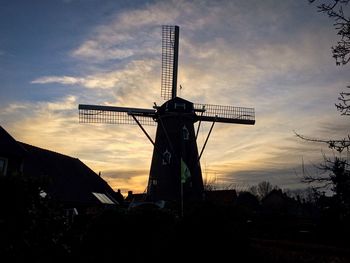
<point x="35" y="229"/>
<point x="31" y="227"/>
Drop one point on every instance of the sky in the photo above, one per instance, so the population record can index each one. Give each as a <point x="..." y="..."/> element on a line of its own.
<point x="274" y="56"/>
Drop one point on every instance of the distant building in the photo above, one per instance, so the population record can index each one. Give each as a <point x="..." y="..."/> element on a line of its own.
<point x="248" y="201"/>
<point x="131" y="197"/>
<point x="277" y="202"/>
<point x="65" y="179"/>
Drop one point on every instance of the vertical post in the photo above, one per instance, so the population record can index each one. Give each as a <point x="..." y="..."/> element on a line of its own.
<point x="175" y="61"/>
<point x="181" y="160"/>
<point x="182" y="197"/>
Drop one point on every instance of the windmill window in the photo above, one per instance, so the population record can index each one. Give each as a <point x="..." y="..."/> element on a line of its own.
<point x="185" y="133"/>
<point x="166" y="157"/>
<point x="154" y="181"/>
<point x="104" y="199"/>
<point x="181" y="106"/>
<point x="3" y="166"/>
<point x="42" y="194"/>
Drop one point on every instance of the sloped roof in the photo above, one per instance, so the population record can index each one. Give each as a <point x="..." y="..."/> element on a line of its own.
<point x="69" y="179"/>
<point x="9" y="146"/>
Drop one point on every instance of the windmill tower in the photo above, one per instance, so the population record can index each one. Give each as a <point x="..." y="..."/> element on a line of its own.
<point x="175" y="169"/>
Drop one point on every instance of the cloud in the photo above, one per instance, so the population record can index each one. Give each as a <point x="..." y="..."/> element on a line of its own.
<point x="284" y="177"/>
<point x="93" y="50"/>
<point x="132" y="33"/>
<point x="216" y="58"/>
<point x="66" y="80"/>
<point x="54" y="126"/>
<point x="123" y="86"/>
<point x="92" y="82"/>
<point x="123" y="179"/>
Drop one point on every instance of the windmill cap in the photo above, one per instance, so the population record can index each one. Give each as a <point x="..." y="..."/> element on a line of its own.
<point x="177" y="105"/>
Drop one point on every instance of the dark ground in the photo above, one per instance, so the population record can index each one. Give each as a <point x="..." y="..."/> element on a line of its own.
<point x="210" y="233"/>
<point x="33" y="229"/>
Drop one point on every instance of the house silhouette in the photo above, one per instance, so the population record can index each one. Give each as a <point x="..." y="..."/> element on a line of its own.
<point x="65" y="179"/>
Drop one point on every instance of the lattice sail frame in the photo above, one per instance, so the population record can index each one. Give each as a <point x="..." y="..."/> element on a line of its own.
<point x="115" y="115"/>
<point x="170" y="50"/>
<point x="226" y="114"/>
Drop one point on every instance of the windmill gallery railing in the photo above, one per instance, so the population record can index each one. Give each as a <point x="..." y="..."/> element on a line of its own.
<point x="226" y="114"/>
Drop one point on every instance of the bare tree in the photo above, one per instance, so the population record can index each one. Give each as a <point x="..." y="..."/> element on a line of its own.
<point x="335" y="10"/>
<point x="339" y="145"/>
<point x="336" y="171"/>
<point x="341" y="52"/>
<point x="262" y="189"/>
<point x="336" y="177"/>
<point x="209" y="184"/>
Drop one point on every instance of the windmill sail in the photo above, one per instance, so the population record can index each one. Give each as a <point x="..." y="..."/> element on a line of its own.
<point x="115" y="115"/>
<point x="170" y="51"/>
<point x="225" y="114"/>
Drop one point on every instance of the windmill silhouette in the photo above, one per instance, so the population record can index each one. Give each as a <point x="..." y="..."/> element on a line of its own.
<point x="175" y="169"/>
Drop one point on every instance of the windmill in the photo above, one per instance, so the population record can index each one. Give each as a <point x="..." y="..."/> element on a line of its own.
<point x="175" y="171"/>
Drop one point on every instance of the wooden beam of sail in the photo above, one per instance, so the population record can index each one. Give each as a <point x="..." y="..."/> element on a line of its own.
<point x="170" y="51"/>
<point x="115" y="115"/>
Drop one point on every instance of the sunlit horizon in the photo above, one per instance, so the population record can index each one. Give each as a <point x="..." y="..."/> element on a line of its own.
<point x="272" y="56"/>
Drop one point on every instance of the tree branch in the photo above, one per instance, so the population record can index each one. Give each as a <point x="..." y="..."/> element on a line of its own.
<point x="338" y="145"/>
<point x="344" y="105"/>
<point x="341" y="51"/>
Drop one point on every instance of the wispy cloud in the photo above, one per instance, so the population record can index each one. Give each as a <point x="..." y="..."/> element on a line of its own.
<point x="133" y="33"/>
<point x="54" y="126"/>
<point x="59" y="79"/>
<point x="125" y="85"/>
<point x="93" y="50"/>
<point x="122" y="179"/>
